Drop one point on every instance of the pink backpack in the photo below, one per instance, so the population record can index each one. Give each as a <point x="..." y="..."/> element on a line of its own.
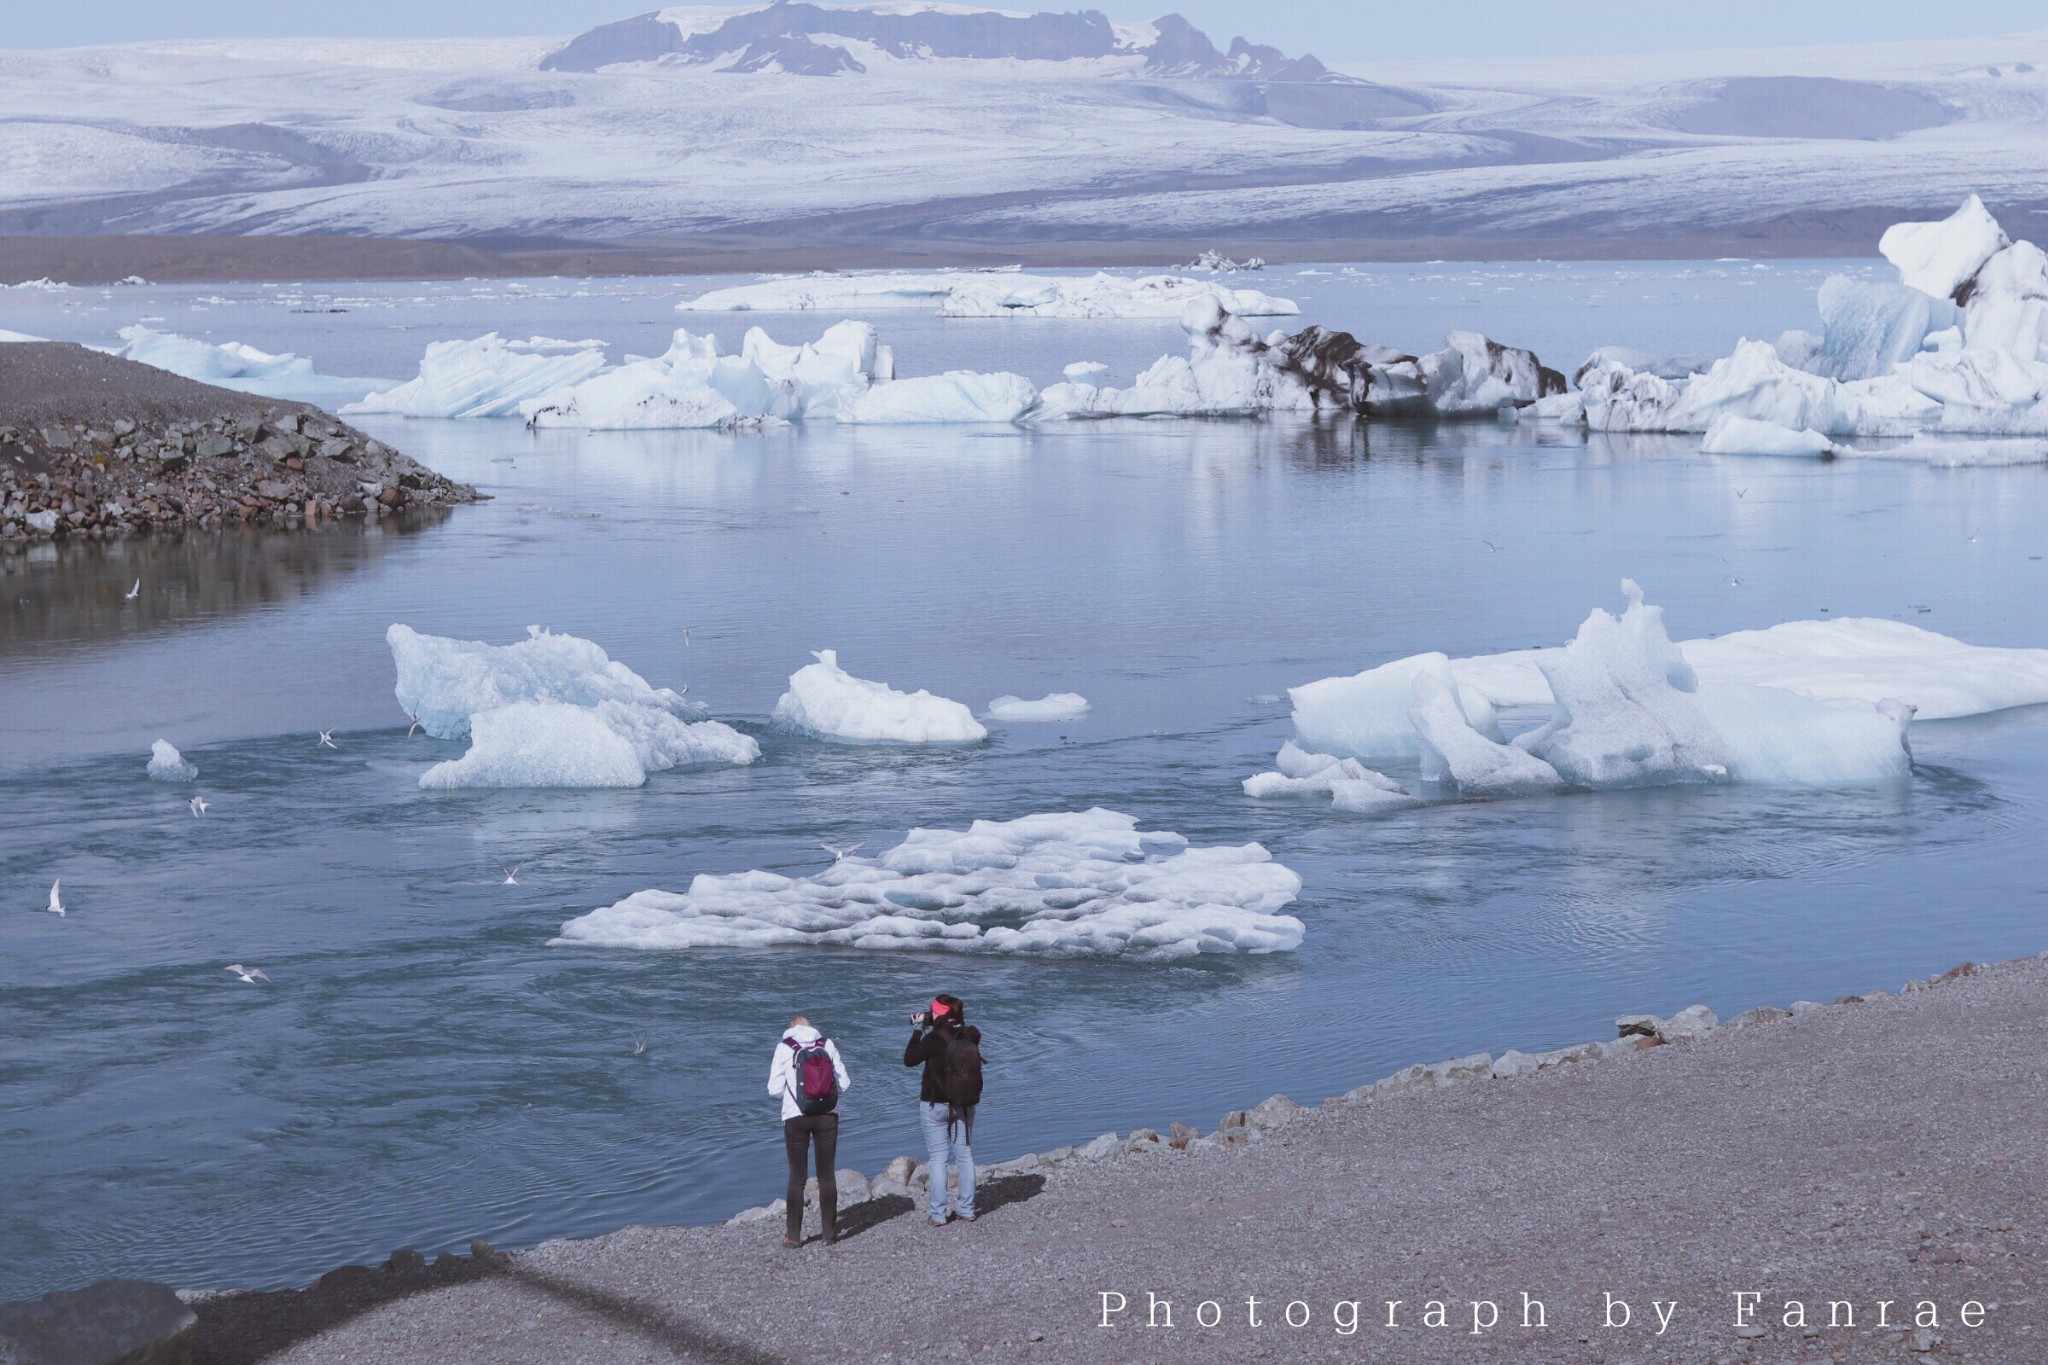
<point x="816" y="1088"/>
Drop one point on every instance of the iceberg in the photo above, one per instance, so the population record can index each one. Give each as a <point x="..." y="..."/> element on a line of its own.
<point x="955" y="396"/>
<point x="1752" y="382"/>
<point x="1454" y="753"/>
<point x="7" y="337"/>
<point x="486" y="376"/>
<point x="1870" y="327"/>
<point x="1349" y="784"/>
<point x="166" y="764"/>
<point x="1075" y="884"/>
<point x="442" y="683"/>
<point x="988" y="294"/>
<point x="1936" y="258"/>
<point x="1366" y="716"/>
<point x="611" y="744"/>
<point x="232" y="365"/>
<point x="826" y="701"/>
<point x="1732" y="435"/>
<point x="1054" y="706"/>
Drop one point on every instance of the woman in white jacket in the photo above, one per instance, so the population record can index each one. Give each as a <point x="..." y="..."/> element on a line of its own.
<point x="808" y="1119"/>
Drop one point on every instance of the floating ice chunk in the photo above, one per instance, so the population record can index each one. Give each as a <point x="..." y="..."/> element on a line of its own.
<point x="831" y="703"/>
<point x="611" y="744"/>
<point x="1077" y="884"/>
<point x="1054" y="706"/>
<point x="487" y="376"/>
<point x="1302" y="773"/>
<point x="1455" y="753"/>
<point x="443" y="682"/>
<point x="2007" y="306"/>
<point x="1082" y="371"/>
<point x="244" y="369"/>
<point x="166" y="764"/>
<point x="1752" y="382"/>
<point x="955" y="396"/>
<point x="1732" y="435"/>
<point x="1800" y="350"/>
<point x="1869" y="660"/>
<point x="1644" y="362"/>
<point x="7" y="337"/>
<point x="1871" y="327"/>
<point x="1935" y="258"/>
<point x="1369" y="798"/>
<point x="1473" y="375"/>
<point x="989" y="293"/>
<point x="1951" y="452"/>
<point x="1366" y="715"/>
<point x="1770" y="735"/>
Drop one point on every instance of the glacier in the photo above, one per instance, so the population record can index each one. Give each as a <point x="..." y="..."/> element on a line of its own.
<point x="1071" y="884"/>
<point x="486" y="376"/>
<point x="166" y="764"/>
<point x="989" y="294"/>
<point x="825" y="700"/>
<point x="233" y="365"/>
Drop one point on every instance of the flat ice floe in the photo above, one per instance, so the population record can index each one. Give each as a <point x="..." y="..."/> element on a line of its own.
<point x="988" y="294"/>
<point x="1957" y="347"/>
<point x="166" y="764"/>
<point x="486" y="376"/>
<point x="232" y="365"/>
<point x="549" y="711"/>
<point x="1085" y="883"/>
<point x="825" y="700"/>
<point x="1051" y="707"/>
<point x="1805" y="702"/>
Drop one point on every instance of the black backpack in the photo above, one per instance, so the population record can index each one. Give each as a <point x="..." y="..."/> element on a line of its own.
<point x="962" y="1078"/>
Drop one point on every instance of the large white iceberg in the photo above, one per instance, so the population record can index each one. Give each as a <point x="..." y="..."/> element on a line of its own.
<point x="1809" y="702"/>
<point x="825" y="700"/>
<point x="166" y="764"/>
<point x="233" y="365"/>
<point x="1086" y="883"/>
<point x="486" y="376"/>
<point x="988" y="294"/>
<point x="611" y="744"/>
<point x="1936" y="258"/>
<point x="443" y="682"/>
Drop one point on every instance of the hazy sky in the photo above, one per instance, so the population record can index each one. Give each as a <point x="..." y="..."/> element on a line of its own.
<point x="1336" y="30"/>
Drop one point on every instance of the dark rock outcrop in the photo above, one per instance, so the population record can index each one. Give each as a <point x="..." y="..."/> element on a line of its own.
<point x="114" y="1322"/>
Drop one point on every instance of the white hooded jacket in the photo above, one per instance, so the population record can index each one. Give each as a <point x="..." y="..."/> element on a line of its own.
<point x="782" y="1071"/>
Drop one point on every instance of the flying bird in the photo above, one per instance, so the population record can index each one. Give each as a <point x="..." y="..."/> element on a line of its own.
<point x="1742" y="492"/>
<point x="249" y="974"/>
<point x="686" y="637"/>
<point x="511" y="871"/>
<point x="56" y="906"/>
<point x="199" y="806"/>
<point x="1491" y="546"/>
<point x="134" y="592"/>
<point x="840" y="851"/>
<point x="327" y="739"/>
<point x="415" y="724"/>
<point x="639" y="1045"/>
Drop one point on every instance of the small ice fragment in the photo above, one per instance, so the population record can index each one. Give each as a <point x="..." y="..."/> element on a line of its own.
<point x="1056" y="706"/>
<point x="829" y="702"/>
<point x="166" y="764"/>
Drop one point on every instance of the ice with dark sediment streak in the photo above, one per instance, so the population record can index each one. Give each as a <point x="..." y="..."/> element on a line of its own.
<point x="1071" y="884"/>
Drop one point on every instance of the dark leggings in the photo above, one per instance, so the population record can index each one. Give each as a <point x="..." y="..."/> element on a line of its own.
<point x="797" y="1133"/>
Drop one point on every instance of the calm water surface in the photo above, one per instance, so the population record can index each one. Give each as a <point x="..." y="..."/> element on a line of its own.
<point x="425" y="1068"/>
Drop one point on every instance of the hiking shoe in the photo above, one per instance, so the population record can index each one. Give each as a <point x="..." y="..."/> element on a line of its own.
<point x="792" y="1243"/>
<point x="964" y="1217"/>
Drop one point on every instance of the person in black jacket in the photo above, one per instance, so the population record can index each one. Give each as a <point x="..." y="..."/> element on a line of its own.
<point x="949" y="1049"/>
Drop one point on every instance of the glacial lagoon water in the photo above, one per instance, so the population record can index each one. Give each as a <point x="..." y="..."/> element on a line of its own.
<point x="425" y="1068"/>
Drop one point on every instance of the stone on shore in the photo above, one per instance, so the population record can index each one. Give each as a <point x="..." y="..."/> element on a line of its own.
<point x="114" y="1322"/>
<point x="1099" y="1147"/>
<point x="1273" y="1112"/>
<point x="1694" y="1021"/>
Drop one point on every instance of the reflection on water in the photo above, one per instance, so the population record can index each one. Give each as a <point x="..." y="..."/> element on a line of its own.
<point x="76" y="592"/>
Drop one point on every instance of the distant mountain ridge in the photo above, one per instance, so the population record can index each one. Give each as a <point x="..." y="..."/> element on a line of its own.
<point x="796" y="38"/>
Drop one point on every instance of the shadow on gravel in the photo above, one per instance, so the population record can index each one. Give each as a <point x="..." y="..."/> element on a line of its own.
<point x="244" y="1328"/>
<point x="988" y="1197"/>
<point x="687" y="1340"/>
<point x="1011" y="1189"/>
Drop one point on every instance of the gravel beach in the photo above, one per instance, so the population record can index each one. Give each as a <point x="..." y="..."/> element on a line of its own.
<point x="1880" y="1157"/>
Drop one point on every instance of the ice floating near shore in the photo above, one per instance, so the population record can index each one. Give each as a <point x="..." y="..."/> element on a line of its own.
<point x="1231" y="372"/>
<point x="1052" y="707"/>
<point x="1078" y="884"/>
<point x="611" y="744"/>
<point x="989" y="294"/>
<point x="166" y="764"/>
<point x="487" y="376"/>
<point x="1806" y="702"/>
<point x="7" y="337"/>
<point x="1959" y="345"/>
<point x="443" y="682"/>
<point x="232" y="365"/>
<point x="1348" y="784"/>
<point x="955" y="396"/>
<point x="825" y="700"/>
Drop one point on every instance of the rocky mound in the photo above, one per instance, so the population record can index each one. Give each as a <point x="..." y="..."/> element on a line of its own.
<point x="93" y="445"/>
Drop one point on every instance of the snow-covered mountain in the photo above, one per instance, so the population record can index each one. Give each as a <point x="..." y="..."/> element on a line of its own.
<point x="947" y="134"/>
<point x="802" y="39"/>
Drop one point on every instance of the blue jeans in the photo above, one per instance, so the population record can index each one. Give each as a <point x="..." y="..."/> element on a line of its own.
<point x="940" y="1146"/>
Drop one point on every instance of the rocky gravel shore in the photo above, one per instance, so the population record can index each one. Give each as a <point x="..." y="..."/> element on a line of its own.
<point x="96" y="447"/>
<point x="1868" y="1171"/>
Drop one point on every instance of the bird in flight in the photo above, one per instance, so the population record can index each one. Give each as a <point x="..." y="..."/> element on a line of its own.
<point x="1491" y="546"/>
<point x="56" y="906"/>
<point x="199" y="805"/>
<point x="840" y="851"/>
<point x="639" y="1045"/>
<point x="511" y="871"/>
<point x="249" y="974"/>
<point x="686" y="637"/>
<point x="1742" y="492"/>
<point x="133" y="592"/>
<point x="415" y="724"/>
<point x="327" y="739"/>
